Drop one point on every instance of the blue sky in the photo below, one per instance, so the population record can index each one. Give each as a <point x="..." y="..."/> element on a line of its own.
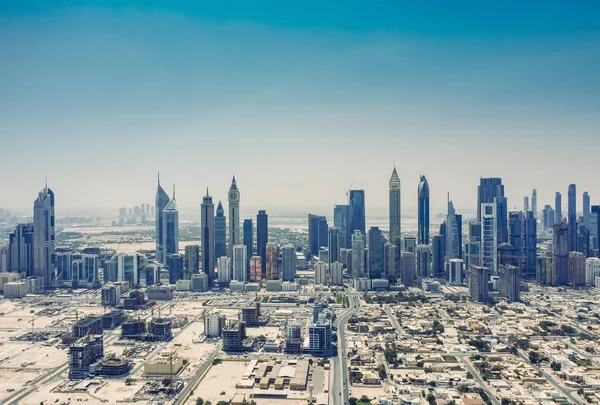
<point x="297" y="99"/>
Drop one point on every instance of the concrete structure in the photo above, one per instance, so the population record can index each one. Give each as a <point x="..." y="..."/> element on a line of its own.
<point x="82" y="354"/>
<point x="509" y="280"/>
<point x="214" y="323"/>
<point x="455" y="271"/>
<point x="430" y="285"/>
<point x="592" y="270"/>
<point x="160" y="293"/>
<point x="166" y="364"/>
<point x="362" y="284"/>
<point x="7" y="277"/>
<point x="478" y="283"/>
<point x="319" y="338"/>
<point x="337" y="276"/>
<point x="200" y="282"/>
<point x="577" y="269"/>
<point x="207" y="237"/>
<point x="15" y="289"/>
<point x="224" y="270"/>
<point x="321" y="270"/>
<point x="358" y="253"/>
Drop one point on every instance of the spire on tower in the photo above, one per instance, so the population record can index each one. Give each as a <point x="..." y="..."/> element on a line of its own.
<point x="158" y="178"/>
<point x="173" y="191"/>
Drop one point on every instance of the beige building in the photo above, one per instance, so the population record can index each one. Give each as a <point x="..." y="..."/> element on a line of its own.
<point x="165" y="364"/>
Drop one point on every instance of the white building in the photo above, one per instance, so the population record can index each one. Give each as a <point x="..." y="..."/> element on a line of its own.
<point x="16" y="289"/>
<point x="362" y="284"/>
<point x="213" y="324"/>
<point x="455" y="271"/>
<point x="223" y="268"/>
<point x="592" y="270"/>
<point x="489" y="238"/>
<point x="321" y="273"/>
<point x="337" y="275"/>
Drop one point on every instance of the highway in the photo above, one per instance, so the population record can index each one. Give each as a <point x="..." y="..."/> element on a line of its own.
<point x="340" y="384"/>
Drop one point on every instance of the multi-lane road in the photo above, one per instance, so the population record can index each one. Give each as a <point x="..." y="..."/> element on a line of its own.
<point x="340" y="383"/>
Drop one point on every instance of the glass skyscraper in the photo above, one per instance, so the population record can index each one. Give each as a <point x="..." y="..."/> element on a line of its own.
<point x="356" y="212"/>
<point x="423" y="220"/>
<point x="262" y="238"/>
<point x="207" y="226"/>
<point x="220" y="232"/>
<point x="43" y="236"/>
<point x="162" y="199"/>
<point x="572" y="213"/>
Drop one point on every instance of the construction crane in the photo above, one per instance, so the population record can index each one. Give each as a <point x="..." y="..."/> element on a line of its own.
<point x="171" y="354"/>
<point x="32" y="322"/>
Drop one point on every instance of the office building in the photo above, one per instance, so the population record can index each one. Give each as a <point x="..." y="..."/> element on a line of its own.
<point x="560" y="254"/>
<point x="423" y="212"/>
<point x="356" y="212"/>
<point x="407" y="269"/>
<point x="162" y="199"/>
<point x="478" y="279"/>
<point x="293" y="337"/>
<point x="488" y="189"/>
<point x="376" y="260"/>
<point x="582" y="238"/>
<point x="129" y="267"/>
<point x="576" y="269"/>
<point x="207" y="229"/>
<point x="395" y="207"/>
<point x="558" y="206"/>
<point x="509" y="280"/>
<point x="423" y="261"/>
<point x="455" y="271"/>
<point x="548" y="217"/>
<point x="83" y="354"/>
<point x="337" y="276"/>
<point x="21" y="250"/>
<point x="515" y="234"/>
<point x="572" y="217"/>
<point x="288" y="263"/>
<point x="340" y="221"/>
<point x="317" y="233"/>
<point x="543" y="274"/>
<point x="390" y="262"/>
<point x="438" y="256"/>
<point x="334" y="245"/>
<point x="43" y="236"/>
<point x="234" y="216"/>
<point x="262" y="238"/>
<point x="234" y="333"/>
<point x="501" y="220"/>
<point x="175" y="266"/>
<point x="409" y="244"/>
<point x="358" y="253"/>
<point x="453" y="233"/>
<point x="255" y="269"/>
<point x="192" y="261"/>
<point x="586" y="209"/>
<point x="489" y="241"/>
<point x="170" y="223"/>
<point x="272" y="257"/>
<point x="248" y="239"/>
<point x="240" y="263"/>
<point x="592" y="271"/>
<point x="224" y="270"/>
<point x="321" y="273"/>
<point x="528" y="246"/>
<point x="525" y="204"/>
<point x="319" y="338"/>
<point x="214" y="322"/>
<point x="220" y="232"/>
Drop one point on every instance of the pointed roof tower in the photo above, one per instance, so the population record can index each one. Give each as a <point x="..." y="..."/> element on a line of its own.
<point x="423" y="188"/>
<point x="394" y="180"/>
<point x="172" y="205"/>
<point x="233" y="184"/>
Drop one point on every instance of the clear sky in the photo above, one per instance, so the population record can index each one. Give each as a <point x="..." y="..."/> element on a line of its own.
<point x="298" y="99"/>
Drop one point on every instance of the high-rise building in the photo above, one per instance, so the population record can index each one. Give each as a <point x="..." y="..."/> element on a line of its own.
<point x="356" y="212"/>
<point x="583" y="238"/>
<point x="489" y="234"/>
<point x="234" y="216"/>
<point x="423" y="261"/>
<point x="423" y="212"/>
<point x="337" y="277"/>
<point x="572" y="217"/>
<point x="525" y="204"/>
<point x="558" y="206"/>
<point x="162" y="199"/>
<point x="321" y="273"/>
<point x="175" y="266"/>
<point x="255" y="269"/>
<point x="515" y="234"/>
<point x="453" y="240"/>
<point x="43" y="236"/>
<point x="560" y="254"/>
<point x="409" y="244"/>
<point x="192" y="261"/>
<point x="543" y="270"/>
<point x="488" y="189"/>
<point x="220" y="232"/>
<point x="586" y="209"/>
<point x="455" y="271"/>
<point x="548" y="217"/>
<point x="170" y="224"/>
<point x="334" y="245"/>
<point x="509" y="280"/>
<point x="438" y="256"/>
<point x="318" y="233"/>
<point x="288" y="263"/>
<point x="395" y="207"/>
<point x="501" y="219"/>
<point x="595" y="229"/>
<point x="207" y="228"/>
<point x="407" y="269"/>
<point x="478" y="278"/>
<point x="20" y="251"/>
<point x="358" y="253"/>
<point x="390" y="262"/>
<point x="224" y="270"/>
<point x="592" y="271"/>
<point x="528" y="246"/>
<point x="576" y="269"/>
<point x="340" y="221"/>
<point x="262" y="238"/>
<point x="534" y="203"/>
<point x="272" y="256"/>
<point x="248" y="239"/>
<point x="240" y="263"/>
<point x="376" y="260"/>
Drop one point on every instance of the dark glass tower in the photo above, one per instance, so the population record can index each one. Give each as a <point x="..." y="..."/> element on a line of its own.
<point x="43" y="236"/>
<point x="317" y="233"/>
<point x="262" y="238"/>
<point x="423" y="225"/>
<point x="528" y="246"/>
<point x="220" y="232"/>
<point x="489" y="188"/>
<point x="207" y="226"/>
<point x="356" y="212"/>
<point x="376" y="246"/>
<point x="340" y="221"/>
<point x="162" y="199"/>
<point x="170" y="227"/>
<point x="572" y="213"/>
<point x="248" y="240"/>
<point x="558" y="206"/>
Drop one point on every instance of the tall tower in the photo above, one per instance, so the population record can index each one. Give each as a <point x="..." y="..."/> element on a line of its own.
<point x="534" y="203"/>
<point x="248" y="239"/>
<point x="43" y="236"/>
<point x="586" y="209"/>
<point x="528" y="246"/>
<point x="262" y="238"/>
<point x="423" y="225"/>
<point x="356" y="214"/>
<point x="170" y="229"/>
<point x="207" y="226"/>
<point x="340" y="221"/>
<point x="162" y="199"/>
<point x="234" y="216"/>
<point x="220" y="232"/>
<point x="395" y="206"/>
<point x="453" y="233"/>
<point x="572" y="213"/>
<point x="489" y="237"/>
<point x="376" y="243"/>
<point x="525" y="203"/>
<point x="558" y="206"/>
<point x="488" y="189"/>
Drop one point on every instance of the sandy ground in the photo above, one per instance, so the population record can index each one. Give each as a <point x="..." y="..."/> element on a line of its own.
<point x="268" y="331"/>
<point x="14" y="381"/>
<point x="46" y="357"/>
<point x="222" y="377"/>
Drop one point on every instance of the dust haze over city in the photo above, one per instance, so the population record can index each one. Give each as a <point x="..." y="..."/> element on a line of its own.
<point x="328" y="203"/>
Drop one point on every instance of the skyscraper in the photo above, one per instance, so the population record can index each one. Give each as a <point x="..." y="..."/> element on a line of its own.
<point x="255" y="269"/>
<point x="358" y="253"/>
<point x="395" y="206"/>
<point x="576" y="269"/>
<point x="20" y="251"/>
<point x="192" y="261"/>
<point x="489" y="235"/>
<point x="234" y="216"/>
<point x="43" y="236"/>
<point x="438" y="253"/>
<point x="583" y="238"/>
<point x="515" y="237"/>
<point x="488" y="189"/>
<point x="162" y="199"/>
<point x="376" y="244"/>
<point x="548" y="217"/>
<point x="390" y="263"/>
<point x="288" y="263"/>
<point x="586" y="209"/>
<point x="220" y="232"/>
<point x="453" y="232"/>
<point x="534" y="203"/>
<point x="248" y="239"/>
<point x="240" y="263"/>
<point x="558" y="206"/>
<point x="340" y="221"/>
<point x="423" y="221"/>
<point x="262" y="238"/>
<point x="501" y="219"/>
<point x="334" y="245"/>
<point x="423" y="261"/>
<point x="356" y="212"/>
<point x="272" y="256"/>
<point x="224" y="270"/>
<point x="317" y="233"/>
<point x="572" y="213"/>
<point x="529" y="246"/>
<point x="175" y="266"/>
<point x="560" y="254"/>
<point x="170" y="224"/>
<point x="207" y="226"/>
<point x="525" y="204"/>
<point x="407" y="269"/>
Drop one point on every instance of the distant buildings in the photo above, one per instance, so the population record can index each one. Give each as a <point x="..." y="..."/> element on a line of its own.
<point x="572" y="217"/>
<point x="162" y="199"/>
<point x="43" y="237"/>
<point x="318" y="233"/>
<point x="376" y="257"/>
<point x="192" y="261"/>
<point x="220" y="232"/>
<point x="478" y="283"/>
<point x="340" y="221"/>
<point x="255" y="269"/>
<point x="21" y="251"/>
<point x="272" y="258"/>
<point x="395" y="207"/>
<point x="234" y="216"/>
<point x="321" y="269"/>
<point x="558" y="206"/>
<point x="288" y="263"/>
<point x="358" y="254"/>
<point x="240" y="263"/>
<point x="207" y="229"/>
<point x="488" y="189"/>
<point x="170" y="226"/>
<point x="407" y="269"/>
<point x="262" y="237"/>
<point x="248" y="239"/>
<point x="454" y="233"/>
<point x="529" y="246"/>
<point x="423" y="212"/>
<point x="509" y="281"/>
<point x="489" y="237"/>
<point x="334" y="245"/>
<point x="560" y="254"/>
<point x="356" y="212"/>
<point x="175" y="266"/>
